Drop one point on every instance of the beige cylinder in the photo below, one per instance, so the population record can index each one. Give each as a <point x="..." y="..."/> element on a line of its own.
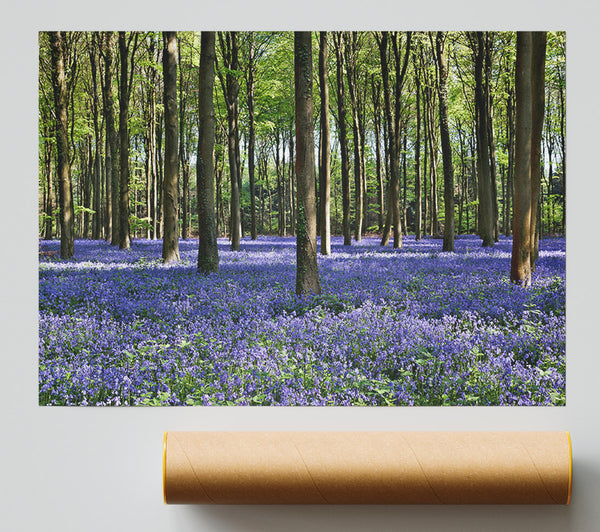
<point x="367" y="467"/>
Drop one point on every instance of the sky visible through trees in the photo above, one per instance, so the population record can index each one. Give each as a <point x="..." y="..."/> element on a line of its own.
<point x="179" y="172"/>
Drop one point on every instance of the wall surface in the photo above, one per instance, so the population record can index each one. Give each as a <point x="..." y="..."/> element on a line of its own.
<point x="94" y="469"/>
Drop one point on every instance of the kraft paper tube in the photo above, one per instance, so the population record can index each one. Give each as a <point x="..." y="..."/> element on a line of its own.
<point x="367" y="467"/>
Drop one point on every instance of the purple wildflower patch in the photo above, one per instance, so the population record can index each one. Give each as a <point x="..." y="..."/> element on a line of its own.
<point x="393" y="327"/>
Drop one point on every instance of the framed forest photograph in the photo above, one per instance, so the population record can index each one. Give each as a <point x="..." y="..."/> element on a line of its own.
<point x="325" y="218"/>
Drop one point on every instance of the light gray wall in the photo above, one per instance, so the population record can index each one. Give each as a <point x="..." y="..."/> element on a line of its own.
<point x="93" y="469"/>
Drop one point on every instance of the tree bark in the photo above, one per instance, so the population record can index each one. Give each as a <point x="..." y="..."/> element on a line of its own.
<point x="339" y="41"/>
<point x="124" y="231"/>
<point x="184" y="164"/>
<point x="251" y="135"/>
<point x="376" y="89"/>
<point x="111" y="230"/>
<point x="350" y="50"/>
<point x="229" y="47"/>
<point x="538" y="69"/>
<point x="307" y="272"/>
<point x="325" y="139"/>
<point x="418" y="193"/>
<point x="59" y="87"/>
<point x="520" y="272"/>
<point x="448" y="244"/>
<point x="96" y="202"/>
<point x="170" y="248"/>
<point x="486" y="215"/>
<point x="208" y="255"/>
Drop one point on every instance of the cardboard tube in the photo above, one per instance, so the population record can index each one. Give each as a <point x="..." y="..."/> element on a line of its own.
<point x="367" y="467"/>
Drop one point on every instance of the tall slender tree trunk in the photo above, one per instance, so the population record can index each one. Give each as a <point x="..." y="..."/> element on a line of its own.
<point x="170" y="248"/>
<point x="339" y="42"/>
<point x="325" y="152"/>
<point x="561" y="93"/>
<point x="510" y="122"/>
<point x="251" y="135"/>
<point x="393" y="217"/>
<point x="208" y="255"/>
<point x="49" y="203"/>
<point x="376" y="90"/>
<point x="292" y="181"/>
<point x="183" y="152"/>
<point x="229" y="46"/>
<point x="446" y="147"/>
<point x="350" y="56"/>
<point x="486" y="213"/>
<point x="124" y="230"/>
<point x="418" y="193"/>
<point x="111" y="145"/>
<point x="59" y="87"/>
<point x="97" y="178"/>
<point x="538" y="69"/>
<point x="307" y="271"/>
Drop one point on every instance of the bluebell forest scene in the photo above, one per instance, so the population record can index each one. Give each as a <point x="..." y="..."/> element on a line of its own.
<point x="327" y="218"/>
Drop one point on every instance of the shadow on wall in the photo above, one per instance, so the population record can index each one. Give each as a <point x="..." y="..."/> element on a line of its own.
<point x="381" y="518"/>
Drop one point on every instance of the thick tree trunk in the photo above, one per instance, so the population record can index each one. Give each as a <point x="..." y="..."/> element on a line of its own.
<point x="446" y="147"/>
<point x="307" y="271"/>
<point x="208" y="255"/>
<point x="59" y="87"/>
<point x="124" y="231"/>
<point x="325" y="152"/>
<point x="170" y="248"/>
<point x="520" y="272"/>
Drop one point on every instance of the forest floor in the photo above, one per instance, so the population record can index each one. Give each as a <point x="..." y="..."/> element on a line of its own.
<point x="413" y="326"/>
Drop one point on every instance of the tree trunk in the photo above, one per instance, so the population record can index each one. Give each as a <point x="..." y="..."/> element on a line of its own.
<point x="538" y="69"/>
<point x="251" y="135"/>
<point x="124" y="231"/>
<point x="208" y="255"/>
<point x="350" y="56"/>
<point x="325" y="152"/>
<point x="48" y="204"/>
<point x="418" y="198"/>
<point x="446" y="147"/>
<point x="229" y="47"/>
<point x="486" y="214"/>
<point x="111" y="146"/>
<point x="339" y="40"/>
<point x="183" y="152"/>
<point x="97" y="218"/>
<point x="59" y="87"/>
<point x="307" y="271"/>
<point x="170" y="248"/>
<point x="377" y="127"/>
<point x="520" y="272"/>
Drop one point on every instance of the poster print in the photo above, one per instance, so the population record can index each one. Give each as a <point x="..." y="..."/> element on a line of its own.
<point x="279" y="218"/>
